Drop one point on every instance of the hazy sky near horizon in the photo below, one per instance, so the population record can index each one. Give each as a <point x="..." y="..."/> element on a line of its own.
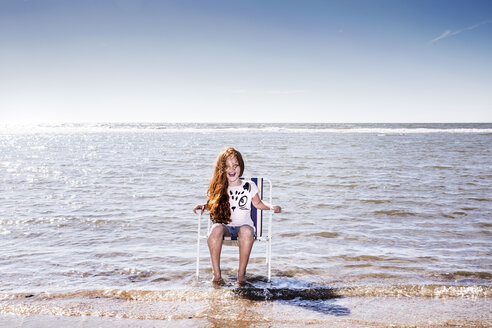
<point x="245" y="61"/>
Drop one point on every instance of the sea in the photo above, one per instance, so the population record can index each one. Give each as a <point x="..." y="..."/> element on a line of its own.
<point x="380" y="224"/>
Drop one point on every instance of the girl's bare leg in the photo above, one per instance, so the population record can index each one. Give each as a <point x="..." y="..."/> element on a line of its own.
<point x="245" y="240"/>
<point x="214" y="242"/>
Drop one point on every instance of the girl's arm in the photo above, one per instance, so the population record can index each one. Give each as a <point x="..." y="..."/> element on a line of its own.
<point x="259" y="204"/>
<point x="200" y="207"/>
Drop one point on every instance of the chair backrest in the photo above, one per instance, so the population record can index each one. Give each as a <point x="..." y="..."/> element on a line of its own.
<point x="256" y="214"/>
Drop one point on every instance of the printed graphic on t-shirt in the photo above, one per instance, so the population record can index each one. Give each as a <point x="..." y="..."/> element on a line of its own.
<point x="239" y="199"/>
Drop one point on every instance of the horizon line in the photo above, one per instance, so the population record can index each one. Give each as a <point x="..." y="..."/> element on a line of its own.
<point x="265" y="122"/>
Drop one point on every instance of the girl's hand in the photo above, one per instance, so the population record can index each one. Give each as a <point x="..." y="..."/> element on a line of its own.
<point x="200" y="207"/>
<point x="276" y="209"/>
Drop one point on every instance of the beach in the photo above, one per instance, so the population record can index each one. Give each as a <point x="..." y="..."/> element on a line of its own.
<point x="382" y="225"/>
<point x="239" y="312"/>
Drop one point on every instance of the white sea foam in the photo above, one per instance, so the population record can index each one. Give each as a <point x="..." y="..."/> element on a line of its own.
<point x="380" y="129"/>
<point x="268" y="293"/>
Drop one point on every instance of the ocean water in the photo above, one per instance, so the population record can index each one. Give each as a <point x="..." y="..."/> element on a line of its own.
<point x="102" y="213"/>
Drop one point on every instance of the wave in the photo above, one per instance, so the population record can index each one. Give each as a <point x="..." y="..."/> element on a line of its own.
<point x="433" y="291"/>
<point x="467" y="274"/>
<point x="375" y="201"/>
<point x="244" y="128"/>
<point x="93" y="220"/>
<point x="395" y="213"/>
<point x="266" y="293"/>
<point x="209" y="303"/>
<point x="320" y="293"/>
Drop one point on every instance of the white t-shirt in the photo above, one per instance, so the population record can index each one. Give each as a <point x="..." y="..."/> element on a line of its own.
<point x="240" y="203"/>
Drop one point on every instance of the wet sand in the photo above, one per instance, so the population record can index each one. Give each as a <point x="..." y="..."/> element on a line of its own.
<point x="242" y="313"/>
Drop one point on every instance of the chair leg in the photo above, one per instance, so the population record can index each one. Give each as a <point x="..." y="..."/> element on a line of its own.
<point x="197" y="261"/>
<point x="266" y="254"/>
<point x="269" y="260"/>
<point x="197" y="258"/>
<point x="198" y="246"/>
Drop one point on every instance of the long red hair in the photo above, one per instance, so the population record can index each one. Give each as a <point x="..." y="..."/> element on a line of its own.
<point x="218" y="199"/>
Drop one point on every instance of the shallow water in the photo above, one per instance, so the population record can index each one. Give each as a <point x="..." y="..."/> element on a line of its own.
<point x="368" y="209"/>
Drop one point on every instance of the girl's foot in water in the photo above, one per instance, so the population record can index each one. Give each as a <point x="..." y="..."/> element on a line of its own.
<point x="217" y="280"/>
<point x="241" y="280"/>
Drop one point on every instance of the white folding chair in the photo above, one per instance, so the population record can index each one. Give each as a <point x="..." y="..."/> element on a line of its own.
<point x="257" y="217"/>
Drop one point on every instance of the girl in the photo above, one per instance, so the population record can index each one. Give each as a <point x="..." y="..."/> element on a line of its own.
<point x="231" y="216"/>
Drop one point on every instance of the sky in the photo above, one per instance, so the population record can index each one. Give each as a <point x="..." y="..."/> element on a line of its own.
<point x="245" y="61"/>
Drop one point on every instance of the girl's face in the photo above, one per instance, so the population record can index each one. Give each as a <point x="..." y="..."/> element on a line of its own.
<point x="233" y="170"/>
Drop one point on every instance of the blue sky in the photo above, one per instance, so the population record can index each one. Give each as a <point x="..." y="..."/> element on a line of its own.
<point x="245" y="61"/>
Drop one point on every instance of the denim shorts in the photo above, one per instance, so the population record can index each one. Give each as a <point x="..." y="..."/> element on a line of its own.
<point x="234" y="231"/>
